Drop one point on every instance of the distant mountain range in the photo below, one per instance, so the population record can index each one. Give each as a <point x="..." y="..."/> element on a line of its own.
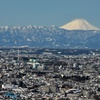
<point x="84" y="36"/>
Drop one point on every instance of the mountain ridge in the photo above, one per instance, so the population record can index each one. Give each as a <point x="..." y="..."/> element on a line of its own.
<point x="48" y="37"/>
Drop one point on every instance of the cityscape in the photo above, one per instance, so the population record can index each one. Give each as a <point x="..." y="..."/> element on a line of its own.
<point x="49" y="50"/>
<point x="49" y="74"/>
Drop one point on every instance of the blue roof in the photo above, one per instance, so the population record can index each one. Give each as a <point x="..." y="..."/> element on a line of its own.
<point x="11" y="95"/>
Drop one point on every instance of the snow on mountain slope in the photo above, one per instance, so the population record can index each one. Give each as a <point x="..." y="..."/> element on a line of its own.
<point x="79" y="24"/>
<point x="48" y="37"/>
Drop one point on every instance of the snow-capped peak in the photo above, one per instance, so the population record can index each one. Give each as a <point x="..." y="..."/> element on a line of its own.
<point x="79" y="24"/>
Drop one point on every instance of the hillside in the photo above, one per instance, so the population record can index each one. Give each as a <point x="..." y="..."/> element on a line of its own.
<point x="48" y="37"/>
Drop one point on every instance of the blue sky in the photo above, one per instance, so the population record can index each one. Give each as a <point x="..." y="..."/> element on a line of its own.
<point x="48" y="12"/>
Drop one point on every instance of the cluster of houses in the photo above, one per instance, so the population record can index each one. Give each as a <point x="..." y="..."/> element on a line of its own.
<point x="48" y="76"/>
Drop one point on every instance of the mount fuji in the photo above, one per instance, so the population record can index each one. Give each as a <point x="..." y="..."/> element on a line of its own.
<point x="76" y="34"/>
<point x="79" y="24"/>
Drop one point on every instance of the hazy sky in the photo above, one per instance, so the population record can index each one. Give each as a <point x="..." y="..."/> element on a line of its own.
<point x="48" y="12"/>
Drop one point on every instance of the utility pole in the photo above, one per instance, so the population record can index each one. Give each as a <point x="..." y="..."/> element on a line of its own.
<point x="18" y="55"/>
